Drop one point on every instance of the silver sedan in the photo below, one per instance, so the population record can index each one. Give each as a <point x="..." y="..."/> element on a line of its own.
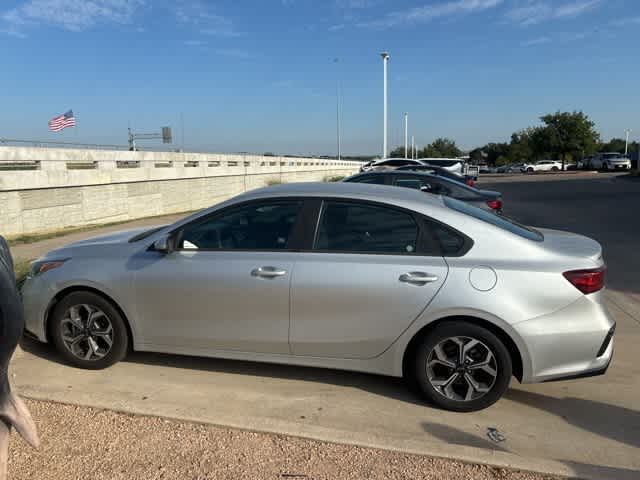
<point x="348" y="276"/>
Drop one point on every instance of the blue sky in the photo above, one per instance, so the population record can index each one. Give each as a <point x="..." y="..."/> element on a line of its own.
<point x="261" y="75"/>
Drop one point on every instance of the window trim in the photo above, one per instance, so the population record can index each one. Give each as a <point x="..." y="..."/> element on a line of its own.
<point x="294" y="242"/>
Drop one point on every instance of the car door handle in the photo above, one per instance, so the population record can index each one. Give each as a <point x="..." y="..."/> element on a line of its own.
<point x="418" y="278"/>
<point x="268" y="272"/>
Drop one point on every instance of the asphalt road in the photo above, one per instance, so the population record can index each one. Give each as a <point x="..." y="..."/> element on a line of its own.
<point x="589" y="428"/>
<point x="605" y="207"/>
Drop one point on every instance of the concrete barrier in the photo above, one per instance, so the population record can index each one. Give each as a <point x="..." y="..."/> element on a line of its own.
<point x="43" y="189"/>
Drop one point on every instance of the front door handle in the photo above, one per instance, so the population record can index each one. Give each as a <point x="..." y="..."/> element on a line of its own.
<point x="418" y="278"/>
<point x="268" y="272"/>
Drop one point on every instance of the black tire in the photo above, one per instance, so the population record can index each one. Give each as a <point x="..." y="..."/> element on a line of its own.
<point x="529" y="170"/>
<point x="119" y="337"/>
<point x="605" y="167"/>
<point x="554" y="169"/>
<point x="503" y="366"/>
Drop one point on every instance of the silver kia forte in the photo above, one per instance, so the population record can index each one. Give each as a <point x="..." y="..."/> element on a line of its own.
<point x="348" y="276"/>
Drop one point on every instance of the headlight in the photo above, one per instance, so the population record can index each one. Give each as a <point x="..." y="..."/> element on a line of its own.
<point x="42" y="266"/>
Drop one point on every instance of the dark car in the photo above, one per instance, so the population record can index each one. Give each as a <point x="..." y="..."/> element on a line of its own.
<point x="438" y="185"/>
<point x="441" y="172"/>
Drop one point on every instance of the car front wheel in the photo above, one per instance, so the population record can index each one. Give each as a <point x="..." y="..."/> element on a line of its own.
<point x="461" y="367"/>
<point x="529" y="170"/>
<point x="88" y="331"/>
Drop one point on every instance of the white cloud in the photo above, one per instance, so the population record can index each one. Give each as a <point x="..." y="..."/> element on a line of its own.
<point x="428" y="13"/>
<point x="621" y="22"/>
<point x="233" y="53"/>
<point x="537" y="41"/>
<point x="71" y="15"/>
<point x="356" y="4"/>
<point x="200" y="15"/>
<point x="336" y="27"/>
<point x="532" y="12"/>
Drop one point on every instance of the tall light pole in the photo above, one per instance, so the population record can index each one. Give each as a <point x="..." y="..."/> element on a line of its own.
<point x="338" y="112"/>
<point x="385" y="149"/>
<point x="413" y="147"/>
<point x="406" y="135"/>
<point x="626" y="143"/>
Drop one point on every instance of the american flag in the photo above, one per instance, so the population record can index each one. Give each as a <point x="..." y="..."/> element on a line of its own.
<point x="62" y="121"/>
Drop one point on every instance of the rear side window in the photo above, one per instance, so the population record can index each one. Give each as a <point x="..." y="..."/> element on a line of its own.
<point x="364" y="228"/>
<point x="377" y="179"/>
<point x="452" y="244"/>
<point x="496" y="220"/>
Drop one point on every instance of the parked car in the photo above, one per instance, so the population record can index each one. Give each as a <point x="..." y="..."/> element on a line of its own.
<point x="337" y="275"/>
<point x="440" y="171"/>
<point x="454" y="165"/>
<point x="390" y="164"/>
<point x="434" y="184"/>
<point x="584" y="163"/>
<point x="610" y="161"/>
<point x="542" y="166"/>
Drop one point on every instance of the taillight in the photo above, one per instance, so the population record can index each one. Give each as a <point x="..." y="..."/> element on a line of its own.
<point x="495" y="204"/>
<point x="470" y="182"/>
<point x="587" y="281"/>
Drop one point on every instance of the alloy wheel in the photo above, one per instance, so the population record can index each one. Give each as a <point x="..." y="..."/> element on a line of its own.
<point x="87" y="332"/>
<point x="462" y="368"/>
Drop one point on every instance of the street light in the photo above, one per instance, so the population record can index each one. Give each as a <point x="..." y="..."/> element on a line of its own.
<point x="385" y="60"/>
<point x="338" y="112"/>
<point x="626" y="143"/>
<point x="406" y="135"/>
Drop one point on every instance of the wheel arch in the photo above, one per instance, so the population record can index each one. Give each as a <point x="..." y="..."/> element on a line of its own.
<point x="85" y="288"/>
<point x="517" y="359"/>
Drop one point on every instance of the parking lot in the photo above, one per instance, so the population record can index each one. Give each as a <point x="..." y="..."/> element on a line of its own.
<point x="588" y="428"/>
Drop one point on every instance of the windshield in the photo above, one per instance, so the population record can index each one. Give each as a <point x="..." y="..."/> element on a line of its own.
<point x="145" y="234"/>
<point x="499" y="221"/>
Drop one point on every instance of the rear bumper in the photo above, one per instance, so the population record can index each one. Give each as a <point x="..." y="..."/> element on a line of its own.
<point x="574" y="342"/>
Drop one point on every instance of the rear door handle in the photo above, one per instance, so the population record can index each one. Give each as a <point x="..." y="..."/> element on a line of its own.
<point x="268" y="272"/>
<point x="418" y="278"/>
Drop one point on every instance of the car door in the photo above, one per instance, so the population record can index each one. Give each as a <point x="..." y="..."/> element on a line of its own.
<point x="368" y="276"/>
<point x="226" y="286"/>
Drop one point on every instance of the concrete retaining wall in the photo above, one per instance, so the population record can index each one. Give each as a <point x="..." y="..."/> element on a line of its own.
<point x="49" y="189"/>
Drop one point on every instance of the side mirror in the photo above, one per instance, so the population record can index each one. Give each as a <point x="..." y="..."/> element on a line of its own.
<point x="164" y="244"/>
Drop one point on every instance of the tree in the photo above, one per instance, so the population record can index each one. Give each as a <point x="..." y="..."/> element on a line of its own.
<point x="441" y="148"/>
<point x="523" y="146"/>
<point x="614" y="145"/>
<point x="568" y="135"/>
<point x="399" y="153"/>
<point x="493" y="151"/>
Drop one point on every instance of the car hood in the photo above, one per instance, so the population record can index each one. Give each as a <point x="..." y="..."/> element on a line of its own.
<point x="571" y="244"/>
<point x="122" y="236"/>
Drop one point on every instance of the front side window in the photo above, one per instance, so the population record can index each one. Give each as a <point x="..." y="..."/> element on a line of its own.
<point x="257" y="226"/>
<point x="365" y="228"/>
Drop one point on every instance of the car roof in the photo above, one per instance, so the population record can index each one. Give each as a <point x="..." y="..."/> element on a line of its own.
<point x="383" y="193"/>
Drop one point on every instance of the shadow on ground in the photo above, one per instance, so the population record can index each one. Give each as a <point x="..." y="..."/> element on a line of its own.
<point x="609" y="421"/>
<point x="394" y="388"/>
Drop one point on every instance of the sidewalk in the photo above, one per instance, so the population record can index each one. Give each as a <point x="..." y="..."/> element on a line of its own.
<point x="29" y="251"/>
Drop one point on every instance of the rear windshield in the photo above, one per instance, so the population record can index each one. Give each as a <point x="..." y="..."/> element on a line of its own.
<point x="496" y="220"/>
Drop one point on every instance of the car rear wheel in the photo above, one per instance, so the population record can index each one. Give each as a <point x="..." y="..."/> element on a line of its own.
<point x="554" y="169"/>
<point x="88" y="331"/>
<point x="461" y="367"/>
<point x="605" y="167"/>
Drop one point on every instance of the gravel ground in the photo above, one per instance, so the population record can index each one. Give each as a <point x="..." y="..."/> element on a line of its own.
<point x="79" y="442"/>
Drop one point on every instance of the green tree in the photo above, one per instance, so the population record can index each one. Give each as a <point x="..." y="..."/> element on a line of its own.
<point x="399" y="153"/>
<point x="493" y="151"/>
<point x="568" y="135"/>
<point x="614" y="145"/>
<point x="441" y="148"/>
<point x="523" y="145"/>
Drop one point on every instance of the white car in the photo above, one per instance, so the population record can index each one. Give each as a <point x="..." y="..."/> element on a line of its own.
<point x="542" y="166"/>
<point x="389" y="164"/>
<point x="610" y="161"/>
<point x="454" y="165"/>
